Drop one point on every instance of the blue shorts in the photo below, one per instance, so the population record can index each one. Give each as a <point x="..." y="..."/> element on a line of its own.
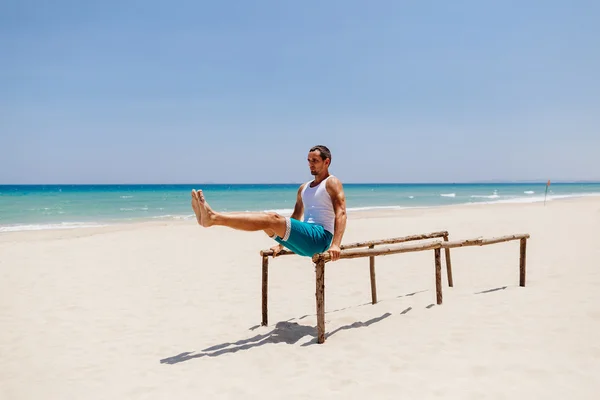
<point x="305" y="239"/>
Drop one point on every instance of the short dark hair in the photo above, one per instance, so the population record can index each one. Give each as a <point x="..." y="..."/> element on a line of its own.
<point x="325" y="153"/>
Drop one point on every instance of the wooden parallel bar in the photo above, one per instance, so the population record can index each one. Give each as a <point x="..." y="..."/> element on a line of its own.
<point x="401" y="239"/>
<point x="382" y="251"/>
<point x="433" y="235"/>
<point x="504" y="239"/>
<point x="269" y="253"/>
<point x="461" y="243"/>
<point x="406" y="248"/>
<point x="483" y="242"/>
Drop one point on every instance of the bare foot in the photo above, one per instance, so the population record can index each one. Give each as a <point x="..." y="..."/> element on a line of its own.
<point x="196" y="207"/>
<point x="206" y="214"/>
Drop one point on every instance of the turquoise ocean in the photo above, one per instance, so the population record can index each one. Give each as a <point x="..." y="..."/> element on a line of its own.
<point x="37" y="207"/>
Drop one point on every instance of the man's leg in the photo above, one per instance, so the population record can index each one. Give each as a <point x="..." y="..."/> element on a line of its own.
<point x="271" y="223"/>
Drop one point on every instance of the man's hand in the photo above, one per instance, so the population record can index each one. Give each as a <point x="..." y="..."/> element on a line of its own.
<point x="334" y="252"/>
<point x="276" y="250"/>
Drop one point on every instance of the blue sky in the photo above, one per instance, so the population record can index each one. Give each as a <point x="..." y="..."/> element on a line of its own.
<point x="401" y="91"/>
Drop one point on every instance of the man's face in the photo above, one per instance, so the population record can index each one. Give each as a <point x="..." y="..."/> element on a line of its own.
<point x="316" y="163"/>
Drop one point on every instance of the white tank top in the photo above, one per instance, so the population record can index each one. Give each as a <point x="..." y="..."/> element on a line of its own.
<point x="318" y="208"/>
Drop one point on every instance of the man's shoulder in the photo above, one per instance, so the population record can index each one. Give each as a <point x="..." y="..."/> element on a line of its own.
<point x="333" y="183"/>
<point x="332" y="179"/>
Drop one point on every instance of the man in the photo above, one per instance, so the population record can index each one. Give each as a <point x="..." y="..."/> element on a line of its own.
<point x="322" y="202"/>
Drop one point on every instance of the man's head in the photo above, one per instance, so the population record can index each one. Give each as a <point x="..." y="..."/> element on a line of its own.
<point x="319" y="159"/>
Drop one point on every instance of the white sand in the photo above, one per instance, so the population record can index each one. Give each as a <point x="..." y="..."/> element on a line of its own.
<point x="171" y="311"/>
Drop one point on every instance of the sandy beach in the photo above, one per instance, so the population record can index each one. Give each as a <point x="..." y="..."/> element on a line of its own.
<point x="170" y="310"/>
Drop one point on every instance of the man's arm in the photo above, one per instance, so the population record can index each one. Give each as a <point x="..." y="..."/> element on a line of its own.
<point x="299" y="207"/>
<point x="338" y="198"/>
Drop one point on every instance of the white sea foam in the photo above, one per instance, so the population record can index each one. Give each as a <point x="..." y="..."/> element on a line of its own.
<point x="529" y="192"/>
<point x="126" y="197"/>
<point x="176" y="217"/>
<point x="40" y="227"/>
<point x="448" y="194"/>
<point x="378" y="208"/>
<point x="492" y="196"/>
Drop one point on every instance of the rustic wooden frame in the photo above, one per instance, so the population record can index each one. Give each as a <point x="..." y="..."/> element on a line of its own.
<point x="390" y="246"/>
<point x="265" y="254"/>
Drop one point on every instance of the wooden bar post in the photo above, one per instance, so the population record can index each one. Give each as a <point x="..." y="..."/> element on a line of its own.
<point x="448" y="264"/>
<point x="265" y="288"/>
<point x="373" y="283"/>
<point x="522" y="262"/>
<point x="438" y="275"/>
<point x="320" y="294"/>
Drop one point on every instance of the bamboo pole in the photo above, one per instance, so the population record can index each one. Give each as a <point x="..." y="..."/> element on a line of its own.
<point x="448" y="263"/>
<point x="438" y="275"/>
<point x="402" y="239"/>
<point x="320" y="297"/>
<point x="265" y="288"/>
<point x="522" y="266"/>
<point x="373" y="283"/>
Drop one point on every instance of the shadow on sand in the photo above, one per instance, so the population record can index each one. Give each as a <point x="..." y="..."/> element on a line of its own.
<point x="492" y="290"/>
<point x="284" y="332"/>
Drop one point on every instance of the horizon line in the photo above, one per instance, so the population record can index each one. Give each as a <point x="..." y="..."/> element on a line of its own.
<point x="299" y="183"/>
